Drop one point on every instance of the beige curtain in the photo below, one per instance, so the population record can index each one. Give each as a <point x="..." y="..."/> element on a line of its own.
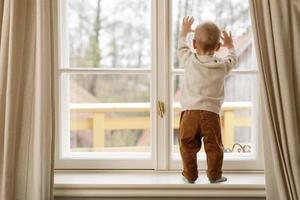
<point x="277" y="37"/>
<point x="26" y="100"/>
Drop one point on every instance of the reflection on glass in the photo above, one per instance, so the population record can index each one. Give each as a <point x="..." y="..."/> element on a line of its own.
<point x="236" y="114"/>
<point x="109" y="34"/>
<point x="109" y="113"/>
<point x="230" y="15"/>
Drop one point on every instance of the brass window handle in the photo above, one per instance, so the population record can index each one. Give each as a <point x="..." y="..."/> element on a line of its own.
<point x="161" y="108"/>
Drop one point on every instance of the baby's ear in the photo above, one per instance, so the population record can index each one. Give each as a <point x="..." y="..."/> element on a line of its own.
<point x="218" y="46"/>
<point x="194" y="44"/>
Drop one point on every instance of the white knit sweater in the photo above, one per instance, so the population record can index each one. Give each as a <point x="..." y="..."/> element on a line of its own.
<point x="204" y="78"/>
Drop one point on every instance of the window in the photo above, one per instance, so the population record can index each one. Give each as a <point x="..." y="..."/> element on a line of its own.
<point x="105" y="82"/>
<point x="118" y="59"/>
<point x="238" y="116"/>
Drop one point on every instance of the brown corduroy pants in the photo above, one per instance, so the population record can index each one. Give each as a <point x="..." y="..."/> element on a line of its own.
<point x="195" y="125"/>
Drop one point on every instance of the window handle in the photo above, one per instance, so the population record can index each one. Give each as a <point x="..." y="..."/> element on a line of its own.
<point x="161" y="108"/>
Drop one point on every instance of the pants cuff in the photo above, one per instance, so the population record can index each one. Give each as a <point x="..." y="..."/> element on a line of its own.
<point x="189" y="177"/>
<point x="214" y="176"/>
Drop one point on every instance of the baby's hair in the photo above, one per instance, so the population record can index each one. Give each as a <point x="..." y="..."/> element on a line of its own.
<point x="207" y="36"/>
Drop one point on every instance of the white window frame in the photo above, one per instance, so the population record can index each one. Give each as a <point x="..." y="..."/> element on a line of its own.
<point x="231" y="162"/>
<point x="90" y="160"/>
<point x="161" y="128"/>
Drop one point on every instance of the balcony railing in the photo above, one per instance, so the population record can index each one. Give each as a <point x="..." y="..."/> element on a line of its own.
<point x="98" y="122"/>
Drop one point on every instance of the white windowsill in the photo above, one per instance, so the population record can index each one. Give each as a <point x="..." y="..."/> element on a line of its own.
<point x="154" y="184"/>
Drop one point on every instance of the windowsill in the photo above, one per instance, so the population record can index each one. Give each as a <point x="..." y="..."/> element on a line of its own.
<point x="154" y="184"/>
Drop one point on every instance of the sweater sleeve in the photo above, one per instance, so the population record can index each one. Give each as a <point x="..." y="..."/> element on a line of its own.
<point x="230" y="60"/>
<point x="183" y="50"/>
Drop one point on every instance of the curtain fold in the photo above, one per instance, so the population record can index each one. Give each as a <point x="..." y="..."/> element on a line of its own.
<point x="27" y="110"/>
<point x="1" y="14"/>
<point x="277" y="37"/>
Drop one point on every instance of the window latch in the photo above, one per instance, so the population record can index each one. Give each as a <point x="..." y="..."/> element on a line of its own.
<point x="161" y="108"/>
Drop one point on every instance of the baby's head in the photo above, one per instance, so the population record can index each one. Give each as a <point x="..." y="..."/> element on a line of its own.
<point x="207" y="38"/>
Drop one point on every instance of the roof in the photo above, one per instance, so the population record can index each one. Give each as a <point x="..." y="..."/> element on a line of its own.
<point x="78" y="94"/>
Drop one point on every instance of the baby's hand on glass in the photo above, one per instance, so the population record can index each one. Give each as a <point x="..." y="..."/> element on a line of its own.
<point x="186" y="25"/>
<point x="227" y="40"/>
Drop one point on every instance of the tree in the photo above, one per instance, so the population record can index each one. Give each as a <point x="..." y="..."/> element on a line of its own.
<point x="95" y="54"/>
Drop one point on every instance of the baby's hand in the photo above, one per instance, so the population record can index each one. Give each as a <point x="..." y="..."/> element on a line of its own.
<point x="227" y="40"/>
<point x="186" y="25"/>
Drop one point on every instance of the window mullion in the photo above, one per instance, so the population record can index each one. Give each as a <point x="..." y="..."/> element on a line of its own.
<point x="105" y="70"/>
<point x="163" y="142"/>
<point x="235" y="71"/>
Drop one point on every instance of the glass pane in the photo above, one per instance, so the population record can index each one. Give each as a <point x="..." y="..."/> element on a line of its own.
<point x="109" y="34"/>
<point x="109" y="113"/>
<point x="237" y="116"/>
<point x="230" y="15"/>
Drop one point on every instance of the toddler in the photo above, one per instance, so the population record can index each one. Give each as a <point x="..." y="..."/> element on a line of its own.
<point x="202" y="97"/>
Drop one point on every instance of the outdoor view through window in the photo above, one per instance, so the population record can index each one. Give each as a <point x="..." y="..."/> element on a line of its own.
<point x="109" y="112"/>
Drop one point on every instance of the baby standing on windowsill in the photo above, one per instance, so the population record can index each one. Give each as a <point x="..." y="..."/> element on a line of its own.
<point x="202" y="97"/>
